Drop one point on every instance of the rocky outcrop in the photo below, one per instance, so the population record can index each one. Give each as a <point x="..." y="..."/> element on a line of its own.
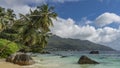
<point x="20" y="59"/>
<point x="94" y="52"/>
<point x="85" y="60"/>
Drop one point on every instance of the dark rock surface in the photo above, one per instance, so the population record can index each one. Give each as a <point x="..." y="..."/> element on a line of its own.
<point x="45" y="52"/>
<point x="94" y="52"/>
<point x="85" y="60"/>
<point x="20" y="59"/>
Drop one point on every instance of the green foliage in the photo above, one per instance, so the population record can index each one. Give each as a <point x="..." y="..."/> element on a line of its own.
<point x="34" y="28"/>
<point x="8" y="34"/>
<point x="7" y="18"/>
<point x="7" y="48"/>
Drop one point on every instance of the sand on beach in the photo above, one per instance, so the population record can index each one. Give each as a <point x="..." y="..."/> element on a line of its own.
<point x="4" y="64"/>
<point x="9" y="65"/>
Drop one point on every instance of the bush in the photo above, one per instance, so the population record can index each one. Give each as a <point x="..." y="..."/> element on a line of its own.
<point x="7" y="48"/>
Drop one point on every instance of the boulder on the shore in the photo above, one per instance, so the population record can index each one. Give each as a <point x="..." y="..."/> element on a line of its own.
<point x="20" y="59"/>
<point x="85" y="60"/>
<point x="94" y="52"/>
<point x="10" y="58"/>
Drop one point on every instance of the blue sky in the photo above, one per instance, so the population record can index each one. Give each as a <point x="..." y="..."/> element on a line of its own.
<point x="94" y="20"/>
<point x="89" y="9"/>
<point x="86" y="8"/>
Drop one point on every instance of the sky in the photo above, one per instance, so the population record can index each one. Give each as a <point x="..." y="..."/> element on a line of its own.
<point x="95" y="20"/>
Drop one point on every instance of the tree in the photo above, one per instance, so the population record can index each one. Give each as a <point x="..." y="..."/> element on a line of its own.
<point x="7" y="18"/>
<point x="34" y="28"/>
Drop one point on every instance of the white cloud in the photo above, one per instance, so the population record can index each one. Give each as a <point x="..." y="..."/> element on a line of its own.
<point x="20" y="6"/>
<point x="68" y="29"/>
<point x="85" y="21"/>
<point x="23" y="6"/>
<point x="107" y="18"/>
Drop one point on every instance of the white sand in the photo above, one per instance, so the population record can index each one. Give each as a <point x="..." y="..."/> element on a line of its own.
<point x="8" y="65"/>
<point x="4" y="64"/>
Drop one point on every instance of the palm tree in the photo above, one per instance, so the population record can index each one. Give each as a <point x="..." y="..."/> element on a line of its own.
<point x="2" y="14"/>
<point x="7" y="18"/>
<point x="10" y="16"/>
<point x="44" y="14"/>
<point x="34" y="27"/>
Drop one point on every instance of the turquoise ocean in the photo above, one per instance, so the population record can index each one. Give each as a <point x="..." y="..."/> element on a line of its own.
<point x="106" y="59"/>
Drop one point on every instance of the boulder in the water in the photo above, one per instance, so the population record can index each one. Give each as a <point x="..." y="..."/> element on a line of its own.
<point x="45" y="52"/>
<point x="85" y="60"/>
<point x="94" y="52"/>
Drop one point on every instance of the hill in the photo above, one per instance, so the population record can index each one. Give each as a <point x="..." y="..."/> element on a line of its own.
<point x="58" y="43"/>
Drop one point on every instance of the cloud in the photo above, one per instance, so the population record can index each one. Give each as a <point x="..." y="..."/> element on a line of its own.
<point x="67" y="28"/>
<point x="107" y="18"/>
<point x="85" y="21"/>
<point x="23" y="6"/>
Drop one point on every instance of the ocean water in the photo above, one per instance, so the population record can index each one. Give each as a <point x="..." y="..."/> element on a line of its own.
<point x="54" y="60"/>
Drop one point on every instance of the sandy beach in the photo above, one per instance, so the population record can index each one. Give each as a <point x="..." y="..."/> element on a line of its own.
<point x="4" y="64"/>
<point x="8" y="65"/>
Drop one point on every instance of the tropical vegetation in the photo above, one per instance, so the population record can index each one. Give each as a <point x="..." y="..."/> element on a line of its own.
<point x="7" y="48"/>
<point x="30" y="31"/>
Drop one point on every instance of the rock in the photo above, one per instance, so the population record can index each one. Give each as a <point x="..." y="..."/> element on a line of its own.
<point x="10" y="58"/>
<point x="63" y="56"/>
<point x="45" y="52"/>
<point x="94" y="52"/>
<point x="85" y="60"/>
<point x="20" y="59"/>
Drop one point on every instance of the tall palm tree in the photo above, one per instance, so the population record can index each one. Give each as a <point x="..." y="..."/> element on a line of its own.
<point x="7" y="18"/>
<point x="2" y="14"/>
<point x="34" y="27"/>
<point x="43" y="15"/>
<point x="10" y="17"/>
